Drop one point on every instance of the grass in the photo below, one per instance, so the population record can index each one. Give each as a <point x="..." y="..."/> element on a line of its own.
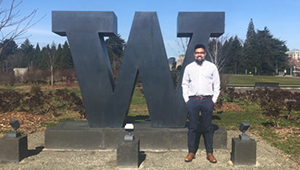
<point x="138" y="110"/>
<point x="261" y="125"/>
<point x="53" y="123"/>
<point x="48" y="125"/>
<point x="4" y="89"/>
<point x="228" y="120"/>
<point x="250" y="80"/>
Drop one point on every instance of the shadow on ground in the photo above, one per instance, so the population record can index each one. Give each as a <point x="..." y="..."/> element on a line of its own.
<point x="36" y="151"/>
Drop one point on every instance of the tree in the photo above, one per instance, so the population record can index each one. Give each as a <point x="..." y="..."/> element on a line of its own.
<point x="35" y="57"/>
<point x="250" y="32"/>
<point x="66" y="60"/>
<point x="5" y="57"/>
<point x="271" y="51"/>
<point x="25" y="53"/>
<point x="13" y="24"/>
<point x="183" y="44"/>
<point x="234" y="48"/>
<point x="10" y="49"/>
<point x="263" y="52"/>
<point x="26" y="47"/>
<point x="115" y="49"/>
<point x="251" y="59"/>
<point x="51" y="62"/>
<point x="59" y="56"/>
<point x="218" y="51"/>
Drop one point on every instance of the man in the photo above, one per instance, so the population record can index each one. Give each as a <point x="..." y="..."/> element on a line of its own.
<point x="200" y="90"/>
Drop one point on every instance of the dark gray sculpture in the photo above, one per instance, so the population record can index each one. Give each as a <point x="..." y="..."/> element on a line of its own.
<point x="145" y="54"/>
<point x="106" y="104"/>
<point x="199" y="27"/>
<point x="85" y="32"/>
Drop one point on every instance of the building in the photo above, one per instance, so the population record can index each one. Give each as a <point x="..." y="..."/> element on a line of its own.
<point x="171" y="62"/>
<point x="294" y="56"/>
<point x="179" y="61"/>
<point x="20" y="72"/>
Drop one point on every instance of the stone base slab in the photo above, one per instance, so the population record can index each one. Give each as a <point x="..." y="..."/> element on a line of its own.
<point x="78" y="135"/>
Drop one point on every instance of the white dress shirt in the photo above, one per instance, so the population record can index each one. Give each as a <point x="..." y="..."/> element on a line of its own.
<point x="201" y="80"/>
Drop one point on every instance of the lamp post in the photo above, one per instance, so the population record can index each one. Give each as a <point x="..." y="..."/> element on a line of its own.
<point x="243" y="128"/>
<point x="15" y="125"/>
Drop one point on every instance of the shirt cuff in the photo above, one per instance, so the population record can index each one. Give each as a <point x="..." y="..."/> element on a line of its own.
<point x="214" y="100"/>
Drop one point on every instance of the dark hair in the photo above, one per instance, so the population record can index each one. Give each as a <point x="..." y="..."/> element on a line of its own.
<point x="199" y="46"/>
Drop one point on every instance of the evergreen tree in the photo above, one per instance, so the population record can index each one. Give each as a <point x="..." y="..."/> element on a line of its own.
<point x="26" y="51"/>
<point x="59" y="56"/>
<point x="250" y="58"/>
<point x="250" y="32"/>
<point x="115" y="49"/>
<point x="234" y="48"/>
<point x="271" y="52"/>
<point x="10" y="49"/>
<point x="263" y="52"/>
<point x="67" y="59"/>
<point x="26" y="47"/>
<point x="35" y="57"/>
<point x="42" y="59"/>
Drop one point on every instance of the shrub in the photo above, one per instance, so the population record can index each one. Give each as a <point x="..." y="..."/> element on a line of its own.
<point x="272" y="102"/>
<point x="10" y="100"/>
<point x="35" y="89"/>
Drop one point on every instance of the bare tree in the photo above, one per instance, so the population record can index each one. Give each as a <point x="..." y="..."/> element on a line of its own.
<point x="52" y="60"/>
<point x="216" y="52"/>
<point x="15" y="25"/>
<point x="183" y="44"/>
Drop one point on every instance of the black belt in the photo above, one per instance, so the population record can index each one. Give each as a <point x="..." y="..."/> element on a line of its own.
<point x="200" y="97"/>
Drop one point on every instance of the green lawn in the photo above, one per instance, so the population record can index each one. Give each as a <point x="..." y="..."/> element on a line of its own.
<point x="229" y="120"/>
<point x="250" y="80"/>
<point x="261" y="125"/>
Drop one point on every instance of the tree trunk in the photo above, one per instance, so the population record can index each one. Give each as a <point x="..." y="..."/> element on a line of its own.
<point x="51" y="75"/>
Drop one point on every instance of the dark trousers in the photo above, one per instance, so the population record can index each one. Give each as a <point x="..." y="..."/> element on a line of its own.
<point x="206" y="107"/>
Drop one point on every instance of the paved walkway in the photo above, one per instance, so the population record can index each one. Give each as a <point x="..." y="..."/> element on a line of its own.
<point x="268" y="157"/>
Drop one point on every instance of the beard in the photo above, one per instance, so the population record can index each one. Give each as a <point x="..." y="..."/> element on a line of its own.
<point x="199" y="61"/>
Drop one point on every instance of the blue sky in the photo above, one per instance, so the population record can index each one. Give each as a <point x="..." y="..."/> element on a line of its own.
<point x="281" y="17"/>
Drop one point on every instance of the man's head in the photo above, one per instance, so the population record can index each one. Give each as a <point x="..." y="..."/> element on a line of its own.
<point x="199" y="53"/>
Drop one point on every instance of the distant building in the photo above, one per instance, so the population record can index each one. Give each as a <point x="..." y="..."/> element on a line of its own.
<point x="294" y="57"/>
<point x="294" y="54"/>
<point x="171" y="62"/>
<point x="179" y="61"/>
<point x="20" y="72"/>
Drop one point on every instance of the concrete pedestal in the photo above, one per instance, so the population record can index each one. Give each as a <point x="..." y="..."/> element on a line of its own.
<point x="243" y="152"/>
<point x="78" y="135"/>
<point x="13" y="149"/>
<point x="128" y="154"/>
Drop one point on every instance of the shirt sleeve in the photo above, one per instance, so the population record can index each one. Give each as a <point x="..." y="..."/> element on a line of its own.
<point x="216" y="85"/>
<point x="185" y="85"/>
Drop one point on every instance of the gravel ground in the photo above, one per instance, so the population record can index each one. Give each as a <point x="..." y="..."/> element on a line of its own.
<point x="268" y="157"/>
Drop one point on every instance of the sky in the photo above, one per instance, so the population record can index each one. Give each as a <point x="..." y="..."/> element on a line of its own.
<point x="281" y="17"/>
